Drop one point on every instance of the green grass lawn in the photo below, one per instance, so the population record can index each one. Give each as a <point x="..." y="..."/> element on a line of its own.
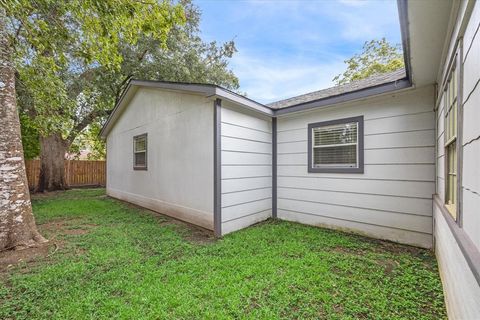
<point x="114" y="260"/>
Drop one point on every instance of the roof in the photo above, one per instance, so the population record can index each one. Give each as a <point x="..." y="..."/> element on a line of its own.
<point x="374" y="85"/>
<point x="375" y="80"/>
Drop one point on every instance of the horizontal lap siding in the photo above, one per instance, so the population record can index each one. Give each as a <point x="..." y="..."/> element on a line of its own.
<point x="461" y="288"/>
<point x="400" y="172"/>
<point x="378" y="231"/>
<point x="246" y="141"/>
<point x="471" y="129"/>
<point x="459" y="284"/>
<point x="392" y="199"/>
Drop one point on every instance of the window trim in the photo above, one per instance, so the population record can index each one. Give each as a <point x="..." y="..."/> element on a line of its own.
<point x="455" y="66"/>
<point x="360" y="146"/>
<point x="145" y="167"/>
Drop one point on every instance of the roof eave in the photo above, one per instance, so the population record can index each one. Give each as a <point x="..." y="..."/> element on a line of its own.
<point x="107" y="126"/>
<point x="244" y="101"/>
<point x="389" y="87"/>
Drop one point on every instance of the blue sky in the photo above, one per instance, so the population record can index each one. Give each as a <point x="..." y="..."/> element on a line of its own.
<point x="286" y="48"/>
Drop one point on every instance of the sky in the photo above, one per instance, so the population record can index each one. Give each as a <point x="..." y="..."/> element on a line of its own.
<point x="286" y="48"/>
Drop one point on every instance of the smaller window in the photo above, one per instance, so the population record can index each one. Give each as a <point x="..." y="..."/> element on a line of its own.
<point x="336" y="146"/>
<point x="140" y="152"/>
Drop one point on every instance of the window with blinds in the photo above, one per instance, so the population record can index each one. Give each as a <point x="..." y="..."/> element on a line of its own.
<point x="336" y="146"/>
<point x="450" y="105"/>
<point x="140" y="152"/>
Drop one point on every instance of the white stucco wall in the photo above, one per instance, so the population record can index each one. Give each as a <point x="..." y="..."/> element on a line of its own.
<point x="392" y="199"/>
<point x="462" y="289"/>
<point x="179" y="179"/>
<point x="246" y="143"/>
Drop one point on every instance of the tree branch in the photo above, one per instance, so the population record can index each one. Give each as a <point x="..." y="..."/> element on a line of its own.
<point x="120" y="88"/>
<point x="88" y="119"/>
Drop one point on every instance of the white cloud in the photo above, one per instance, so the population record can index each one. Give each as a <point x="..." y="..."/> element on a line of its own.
<point x="354" y="3"/>
<point x="371" y="20"/>
<point x="287" y="48"/>
<point x="267" y="80"/>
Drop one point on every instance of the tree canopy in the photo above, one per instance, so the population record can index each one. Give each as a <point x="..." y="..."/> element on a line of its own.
<point x="378" y="56"/>
<point x="85" y="90"/>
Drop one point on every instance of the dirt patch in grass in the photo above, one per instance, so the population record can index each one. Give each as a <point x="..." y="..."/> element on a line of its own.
<point x="45" y="195"/>
<point x="11" y="258"/>
<point x="75" y="232"/>
<point x="389" y="265"/>
<point x="345" y="250"/>
<point x="61" y="227"/>
<point x="54" y="231"/>
<point x="396" y="248"/>
<point x="201" y="236"/>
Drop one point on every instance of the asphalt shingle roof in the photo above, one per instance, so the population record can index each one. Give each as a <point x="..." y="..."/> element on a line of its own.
<point x="372" y="81"/>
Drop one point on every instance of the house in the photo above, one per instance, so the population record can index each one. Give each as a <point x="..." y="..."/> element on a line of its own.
<point x="395" y="156"/>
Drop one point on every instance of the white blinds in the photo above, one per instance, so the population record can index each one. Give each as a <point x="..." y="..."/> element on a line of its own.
<point x="335" y="145"/>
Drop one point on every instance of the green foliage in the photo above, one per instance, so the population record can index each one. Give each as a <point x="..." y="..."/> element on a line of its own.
<point x="88" y="140"/>
<point x="378" y="56"/>
<point x="54" y="40"/>
<point x="30" y="142"/>
<point x="75" y="57"/>
<point x="119" y="261"/>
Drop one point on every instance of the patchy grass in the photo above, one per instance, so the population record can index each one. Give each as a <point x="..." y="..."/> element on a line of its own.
<point x="114" y="260"/>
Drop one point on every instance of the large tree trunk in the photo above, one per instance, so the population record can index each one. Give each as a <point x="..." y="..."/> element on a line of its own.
<point x="52" y="163"/>
<point x="17" y="224"/>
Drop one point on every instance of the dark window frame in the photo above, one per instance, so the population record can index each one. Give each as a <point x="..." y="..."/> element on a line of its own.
<point x="360" y="148"/>
<point x="135" y="138"/>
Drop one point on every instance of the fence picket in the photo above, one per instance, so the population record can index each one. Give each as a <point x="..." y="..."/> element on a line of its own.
<point x="77" y="172"/>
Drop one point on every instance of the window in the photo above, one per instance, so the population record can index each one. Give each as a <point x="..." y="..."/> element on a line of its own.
<point x="450" y="104"/>
<point x="336" y="146"/>
<point x="140" y="152"/>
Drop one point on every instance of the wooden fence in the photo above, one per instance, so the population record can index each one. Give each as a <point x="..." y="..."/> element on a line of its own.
<point x="77" y="173"/>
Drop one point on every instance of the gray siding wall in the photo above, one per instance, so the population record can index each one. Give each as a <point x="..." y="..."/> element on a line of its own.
<point x="471" y="128"/>
<point x="246" y="144"/>
<point x="393" y="198"/>
<point x="179" y="179"/>
<point x="462" y="290"/>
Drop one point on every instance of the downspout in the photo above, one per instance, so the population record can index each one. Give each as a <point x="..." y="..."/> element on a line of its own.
<point x="217" y="168"/>
<point x="274" y="167"/>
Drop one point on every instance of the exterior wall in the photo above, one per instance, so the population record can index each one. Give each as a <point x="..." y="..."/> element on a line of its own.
<point x="246" y="155"/>
<point x="392" y="199"/>
<point x="471" y="128"/>
<point x="461" y="286"/>
<point x="462" y="293"/>
<point x="179" y="179"/>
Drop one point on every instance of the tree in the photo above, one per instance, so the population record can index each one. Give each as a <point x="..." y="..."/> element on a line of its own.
<point x="82" y="34"/>
<point x="94" y="89"/>
<point x="17" y="224"/>
<point x="378" y="56"/>
<point x="39" y="38"/>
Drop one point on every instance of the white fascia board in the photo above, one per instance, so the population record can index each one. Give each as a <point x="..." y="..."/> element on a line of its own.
<point x="243" y="101"/>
